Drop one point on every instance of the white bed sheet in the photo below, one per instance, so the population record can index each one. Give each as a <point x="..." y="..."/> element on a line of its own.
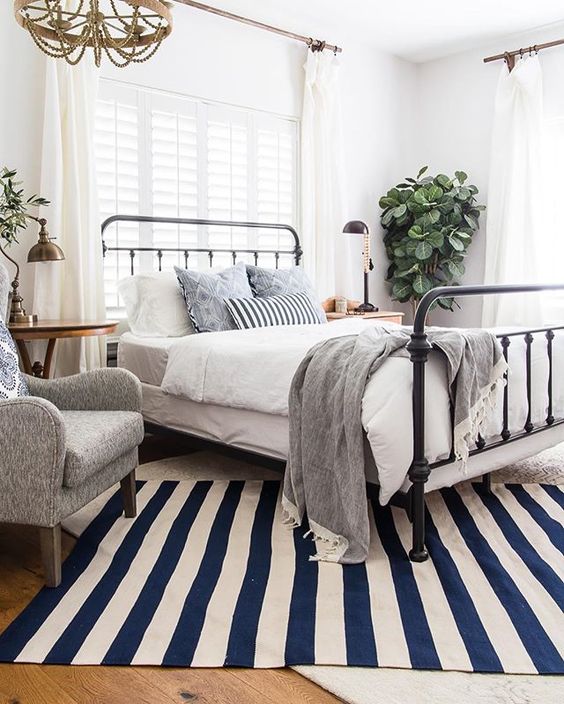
<point x="146" y="357"/>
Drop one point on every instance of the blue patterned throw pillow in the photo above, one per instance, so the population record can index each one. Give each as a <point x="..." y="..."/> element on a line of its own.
<point x="12" y="381"/>
<point x="205" y="295"/>
<point x="283" y="282"/>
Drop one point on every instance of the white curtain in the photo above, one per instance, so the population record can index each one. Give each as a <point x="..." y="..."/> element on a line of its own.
<point x="72" y="289"/>
<point x="326" y="256"/>
<point x="514" y="216"/>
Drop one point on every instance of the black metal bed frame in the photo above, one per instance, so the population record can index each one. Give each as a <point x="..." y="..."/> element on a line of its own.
<point x="419" y="347"/>
<point x="296" y="251"/>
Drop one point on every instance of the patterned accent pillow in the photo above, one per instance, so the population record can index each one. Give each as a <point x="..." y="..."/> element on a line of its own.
<point x="294" y="309"/>
<point x="205" y="295"/>
<point x="12" y="381"/>
<point x="281" y="282"/>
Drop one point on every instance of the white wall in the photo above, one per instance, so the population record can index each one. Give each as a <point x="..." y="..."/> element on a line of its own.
<point x="454" y="121"/>
<point x="22" y="71"/>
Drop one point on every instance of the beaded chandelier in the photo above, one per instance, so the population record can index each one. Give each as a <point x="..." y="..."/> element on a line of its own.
<point x="126" y="31"/>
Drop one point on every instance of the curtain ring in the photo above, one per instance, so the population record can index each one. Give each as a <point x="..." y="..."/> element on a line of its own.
<point x="535" y="49"/>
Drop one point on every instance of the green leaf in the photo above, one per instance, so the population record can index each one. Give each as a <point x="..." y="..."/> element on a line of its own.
<point x="460" y="176"/>
<point x="424" y="251"/>
<point x="457" y="269"/>
<point x="415" y="232"/>
<point x="387" y="217"/>
<point x="420" y="197"/>
<point x="472" y="221"/>
<point x="421" y="172"/>
<point x="402" y="290"/>
<point x="399" y="252"/>
<point x="411" y="247"/>
<point x="386" y="202"/>
<point x="464" y="194"/>
<point x="408" y="272"/>
<point x="434" y="193"/>
<point x="422" y="284"/>
<point x="455" y="243"/>
<point x="434" y="216"/>
<point x="444" y="181"/>
<point x="435" y="239"/>
<point x="400" y="210"/>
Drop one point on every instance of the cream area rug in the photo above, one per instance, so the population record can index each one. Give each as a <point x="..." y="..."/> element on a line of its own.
<point x="361" y="685"/>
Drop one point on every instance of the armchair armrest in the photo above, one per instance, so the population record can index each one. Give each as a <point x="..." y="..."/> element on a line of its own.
<point x="32" y="456"/>
<point x="98" y="390"/>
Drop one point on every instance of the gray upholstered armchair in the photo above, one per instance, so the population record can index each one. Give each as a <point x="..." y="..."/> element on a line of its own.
<point x="64" y="445"/>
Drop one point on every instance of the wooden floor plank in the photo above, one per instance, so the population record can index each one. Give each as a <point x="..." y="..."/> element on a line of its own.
<point x="205" y="686"/>
<point x="29" y="684"/>
<point x="107" y="685"/>
<point x="285" y="685"/>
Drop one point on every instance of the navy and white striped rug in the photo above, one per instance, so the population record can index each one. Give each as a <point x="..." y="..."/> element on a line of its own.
<point x="207" y="575"/>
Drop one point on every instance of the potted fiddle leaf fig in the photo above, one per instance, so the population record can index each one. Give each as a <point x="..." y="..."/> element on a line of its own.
<point x="429" y="222"/>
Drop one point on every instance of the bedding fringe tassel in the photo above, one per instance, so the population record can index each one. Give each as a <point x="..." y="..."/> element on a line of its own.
<point x="466" y="432"/>
<point x="330" y="546"/>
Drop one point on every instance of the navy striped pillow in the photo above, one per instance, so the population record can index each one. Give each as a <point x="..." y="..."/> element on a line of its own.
<point x="289" y="309"/>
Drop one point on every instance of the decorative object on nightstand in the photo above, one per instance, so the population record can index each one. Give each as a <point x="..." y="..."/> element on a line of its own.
<point x="14" y="214"/>
<point x="352" y="310"/>
<point x="357" y="227"/>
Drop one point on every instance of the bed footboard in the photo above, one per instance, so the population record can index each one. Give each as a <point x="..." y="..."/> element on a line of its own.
<point x="419" y="348"/>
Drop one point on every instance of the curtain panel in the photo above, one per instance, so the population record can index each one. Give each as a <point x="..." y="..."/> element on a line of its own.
<point x="514" y="230"/>
<point x="72" y="289"/>
<point x="326" y="255"/>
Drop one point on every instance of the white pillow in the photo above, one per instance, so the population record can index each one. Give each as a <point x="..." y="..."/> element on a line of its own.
<point x="155" y="306"/>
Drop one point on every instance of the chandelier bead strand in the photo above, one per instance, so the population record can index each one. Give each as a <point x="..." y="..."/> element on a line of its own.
<point x="125" y="31"/>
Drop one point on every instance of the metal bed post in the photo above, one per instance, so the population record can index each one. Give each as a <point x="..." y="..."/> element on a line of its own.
<point x="419" y="348"/>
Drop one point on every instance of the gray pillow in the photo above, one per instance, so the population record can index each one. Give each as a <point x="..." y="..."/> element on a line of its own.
<point x="282" y="282"/>
<point x="205" y="295"/>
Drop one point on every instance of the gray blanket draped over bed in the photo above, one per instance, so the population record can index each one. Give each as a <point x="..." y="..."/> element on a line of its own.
<point x="325" y="474"/>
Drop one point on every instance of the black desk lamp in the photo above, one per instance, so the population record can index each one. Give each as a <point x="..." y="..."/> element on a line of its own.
<point x="357" y="227"/>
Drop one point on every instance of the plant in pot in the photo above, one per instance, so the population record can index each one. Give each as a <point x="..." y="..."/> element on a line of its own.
<point x="429" y="222"/>
<point x="14" y="215"/>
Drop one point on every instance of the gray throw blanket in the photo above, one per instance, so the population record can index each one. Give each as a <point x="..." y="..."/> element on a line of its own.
<point x="325" y="474"/>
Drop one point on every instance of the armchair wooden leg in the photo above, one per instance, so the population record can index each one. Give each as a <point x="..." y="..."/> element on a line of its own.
<point x="50" y="540"/>
<point x="128" y="495"/>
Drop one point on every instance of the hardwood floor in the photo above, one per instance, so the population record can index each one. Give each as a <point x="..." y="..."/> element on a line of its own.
<point x="21" y="577"/>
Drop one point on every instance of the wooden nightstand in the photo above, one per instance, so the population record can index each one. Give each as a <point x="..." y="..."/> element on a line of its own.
<point x="384" y="315"/>
<point x="53" y="330"/>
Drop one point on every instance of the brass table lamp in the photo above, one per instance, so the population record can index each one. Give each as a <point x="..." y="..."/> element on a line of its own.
<point x="43" y="251"/>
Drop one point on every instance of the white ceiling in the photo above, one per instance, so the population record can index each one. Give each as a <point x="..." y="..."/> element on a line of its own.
<point x="417" y="30"/>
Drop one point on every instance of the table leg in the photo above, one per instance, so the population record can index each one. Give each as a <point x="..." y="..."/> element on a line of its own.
<point x="24" y="355"/>
<point x="46" y="371"/>
<point x="42" y="371"/>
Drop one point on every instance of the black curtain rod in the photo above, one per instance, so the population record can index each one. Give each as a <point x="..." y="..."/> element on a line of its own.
<point x="314" y="44"/>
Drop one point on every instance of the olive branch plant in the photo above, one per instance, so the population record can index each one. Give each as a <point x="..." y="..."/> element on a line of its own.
<point x="14" y="206"/>
<point x="429" y="222"/>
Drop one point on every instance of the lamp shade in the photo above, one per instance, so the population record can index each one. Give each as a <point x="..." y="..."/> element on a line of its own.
<point x="355" y="227"/>
<point x="45" y="250"/>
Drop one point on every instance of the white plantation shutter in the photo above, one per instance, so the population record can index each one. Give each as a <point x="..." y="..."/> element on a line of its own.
<point x="174" y="174"/>
<point x="227" y="179"/>
<point x="166" y="155"/>
<point x="117" y="162"/>
<point x="276" y="181"/>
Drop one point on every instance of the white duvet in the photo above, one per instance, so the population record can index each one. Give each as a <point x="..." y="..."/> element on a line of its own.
<point x="253" y="369"/>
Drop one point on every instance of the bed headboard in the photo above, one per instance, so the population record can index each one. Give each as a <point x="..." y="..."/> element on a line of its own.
<point x="295" y="251"/>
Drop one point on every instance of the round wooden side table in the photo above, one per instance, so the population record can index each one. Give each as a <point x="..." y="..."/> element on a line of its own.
<point x="53" y="330"/>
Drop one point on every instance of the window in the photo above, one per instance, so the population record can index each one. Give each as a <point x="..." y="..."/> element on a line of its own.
<point x="166" y="155"/>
